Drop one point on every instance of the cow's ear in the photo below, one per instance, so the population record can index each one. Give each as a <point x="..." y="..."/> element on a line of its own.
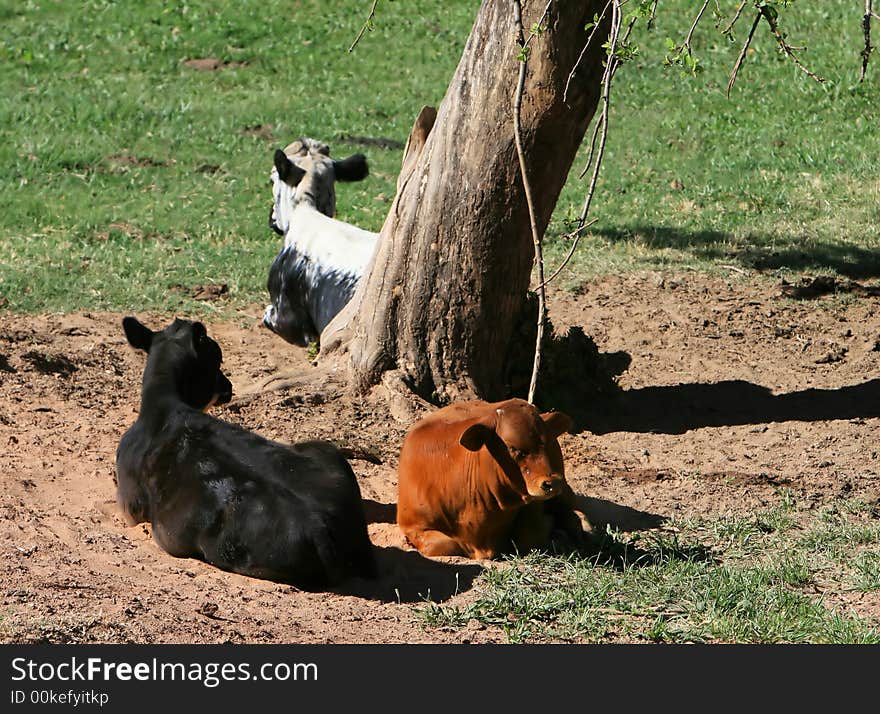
<point x="475" y="436"/>
<point x="557" y="423"/>
<point x="354" y="168"/>
<point x="139" y="336"/>
<point x="288" y="171"/>
<point x="198" y="333"/>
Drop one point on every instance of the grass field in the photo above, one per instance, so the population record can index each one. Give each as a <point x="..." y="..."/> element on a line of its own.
<point x="125" y="173"/>
<point x="127" y="177"/>
<point x="747" y="579"/>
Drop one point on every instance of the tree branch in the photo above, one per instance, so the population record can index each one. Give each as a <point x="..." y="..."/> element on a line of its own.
<point x="365" y="27"/>
<point x="652" y="13"/>
<point x="577" y="233"/>
<point x="866" y="26"/>
<point x="690" y="34"/>
<point x="727" y="30"/>
<point x="742" y="54"/>
<point x="770" y="16"/>
<point x="584" y="51"/>
<point x="600" y="131"/>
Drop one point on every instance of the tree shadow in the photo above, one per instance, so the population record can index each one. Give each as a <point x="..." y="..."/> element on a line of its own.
<point x="406" y="576"/>
<point x="573" y="371"/>
<point x="760" y="252"/>
<point x="582" y="382"/>
<point x="680" y="408"/>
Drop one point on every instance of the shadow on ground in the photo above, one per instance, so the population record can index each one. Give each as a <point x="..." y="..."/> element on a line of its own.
<point x="408" y="576"/>
<point x="582" y="382"/>
<point x="680" y="408"/>
<point x="756" y="251"/>
<point x="604" y="514"/>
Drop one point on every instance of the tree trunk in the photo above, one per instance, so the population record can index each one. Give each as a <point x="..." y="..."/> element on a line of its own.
<point x="444" y="293"/>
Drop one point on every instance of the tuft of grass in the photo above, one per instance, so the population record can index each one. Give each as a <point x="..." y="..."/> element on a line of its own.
<point x="711" y="580"/>
<point x="867" y="571"/>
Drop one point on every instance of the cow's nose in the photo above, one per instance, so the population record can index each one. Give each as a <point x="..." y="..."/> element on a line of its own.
<point x="548" y="486"/>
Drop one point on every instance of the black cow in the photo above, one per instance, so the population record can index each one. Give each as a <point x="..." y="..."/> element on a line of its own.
<point x="217" y="492"/>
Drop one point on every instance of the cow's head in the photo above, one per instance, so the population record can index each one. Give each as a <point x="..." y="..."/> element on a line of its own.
<point x="524" y="444"/>
<point x="184" y="353"/>
<point x="304" y="171"/>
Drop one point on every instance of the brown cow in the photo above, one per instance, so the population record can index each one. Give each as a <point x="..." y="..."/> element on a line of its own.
<point x="477" y="478"/>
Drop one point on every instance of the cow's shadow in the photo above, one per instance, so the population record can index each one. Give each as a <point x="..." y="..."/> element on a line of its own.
<point x="601" y="545"/>
<point x="406" y="576"/>
<point x="377" y="512"/>
<point x="602" y="548"/>
<point x="403" y="574"/>
<point x="603" y="514"/>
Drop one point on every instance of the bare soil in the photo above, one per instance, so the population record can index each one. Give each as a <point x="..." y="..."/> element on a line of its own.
<point x="734" y="392"/>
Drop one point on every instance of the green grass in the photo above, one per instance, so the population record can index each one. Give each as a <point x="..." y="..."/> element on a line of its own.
<point x="730" y="579"/>
<point x="124" y="173"/>
<point x="778" y="179"/>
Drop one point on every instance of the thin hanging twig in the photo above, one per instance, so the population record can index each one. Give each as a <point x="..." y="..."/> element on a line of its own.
<point x="727" y="30"/>
<point x="690" y="34"/>
<point x="651" y="15"/>
<point x="584" y="50"/>
<point x="365" y="27"/>
<point x="601" y="132"/>
<point x="787" y="49"/>
<point x="742" y="54"/>
<point x="574" y="244"/>
<point x="527" y="188"/>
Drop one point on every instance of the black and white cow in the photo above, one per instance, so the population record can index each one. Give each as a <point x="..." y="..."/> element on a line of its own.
<point x="217" y="492"/>
<point x="318" y="267"/>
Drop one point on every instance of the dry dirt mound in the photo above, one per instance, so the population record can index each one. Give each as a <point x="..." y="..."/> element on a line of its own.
<point x="733" y="391"/>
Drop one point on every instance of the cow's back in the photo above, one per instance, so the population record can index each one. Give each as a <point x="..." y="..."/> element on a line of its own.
<point x="431" y="456"/>
<point x="438" y="478"/>
<point x="245" y="504"/>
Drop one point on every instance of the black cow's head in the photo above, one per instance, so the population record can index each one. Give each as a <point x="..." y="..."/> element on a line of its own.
<point x="182" y="357"/>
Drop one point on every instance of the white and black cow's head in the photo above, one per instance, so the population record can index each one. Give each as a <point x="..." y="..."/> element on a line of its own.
<point x="304" y="171"/>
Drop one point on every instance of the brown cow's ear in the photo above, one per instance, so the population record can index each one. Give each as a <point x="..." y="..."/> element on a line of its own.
<point x="557" y="422"/>
<point x="475" y="436"/>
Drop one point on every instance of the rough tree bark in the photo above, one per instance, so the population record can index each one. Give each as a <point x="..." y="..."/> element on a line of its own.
<point x="442" y="298"/>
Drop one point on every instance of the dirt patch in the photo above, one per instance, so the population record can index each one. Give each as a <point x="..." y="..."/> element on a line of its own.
<point x="211" y="291"/>
<point x="210" y="64"/>
<point x="266" y="132"/>
<point x="725" y="404"/>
